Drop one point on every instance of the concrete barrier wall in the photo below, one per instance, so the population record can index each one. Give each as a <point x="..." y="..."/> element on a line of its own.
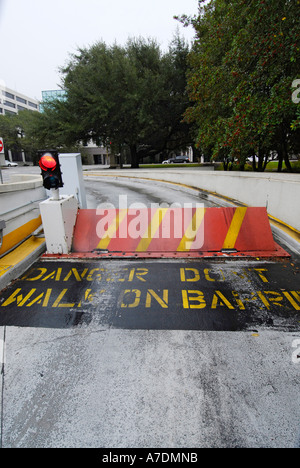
<point x="19" y="208"/>
<point x="279" y="193"/>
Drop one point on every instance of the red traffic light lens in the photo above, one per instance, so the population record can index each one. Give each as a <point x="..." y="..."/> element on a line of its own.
<point x="47" y="162"/>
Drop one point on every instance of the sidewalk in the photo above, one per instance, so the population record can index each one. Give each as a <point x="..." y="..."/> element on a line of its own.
<point x="16" y="262"/>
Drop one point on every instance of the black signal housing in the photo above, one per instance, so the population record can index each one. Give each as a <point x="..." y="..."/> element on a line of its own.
<point x="50" y="169"/>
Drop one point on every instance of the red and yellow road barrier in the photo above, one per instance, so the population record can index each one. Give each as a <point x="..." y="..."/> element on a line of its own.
<point x="175" y="232"/>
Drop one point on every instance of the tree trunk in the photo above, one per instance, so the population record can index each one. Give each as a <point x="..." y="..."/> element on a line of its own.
<point x="266" y="160"/>
<point x="286" y="154"/>
<point x="280" y="160"/>
<point x="261" y="158"/>
<point x="254" y="163"/>
<point x="283" y="154"/>
<point x="134" y="157"/>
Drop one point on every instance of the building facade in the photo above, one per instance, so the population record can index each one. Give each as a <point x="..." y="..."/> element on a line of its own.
<point x="51" y="95"/>
<point x="12" y="102"/>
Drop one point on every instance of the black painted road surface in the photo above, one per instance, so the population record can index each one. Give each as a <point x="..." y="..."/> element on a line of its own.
<point x="157" y="295"/>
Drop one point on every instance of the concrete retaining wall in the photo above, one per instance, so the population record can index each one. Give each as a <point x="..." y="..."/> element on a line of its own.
<point x="279" y="193"/>
<point x="19" y="207"/>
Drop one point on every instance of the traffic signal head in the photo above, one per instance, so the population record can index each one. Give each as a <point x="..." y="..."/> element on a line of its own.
<point x="49" y="164"/>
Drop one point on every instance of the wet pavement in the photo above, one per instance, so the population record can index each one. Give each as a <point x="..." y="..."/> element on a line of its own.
<point x="137" y="354"/>
<point x="106" y="191"/>
<point x="151" y="353"/>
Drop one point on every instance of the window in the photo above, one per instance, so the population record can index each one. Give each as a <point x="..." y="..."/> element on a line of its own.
<point x="9" y="104"/>
<point x="31" y="104"/>
<point x="19" y="99"/>
<point x="20" y="108"/>
<point x="9" y="95"/>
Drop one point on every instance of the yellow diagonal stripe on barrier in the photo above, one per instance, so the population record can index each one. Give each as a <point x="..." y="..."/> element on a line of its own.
<point x="234" y="228"/>
<point x="112" y="229"/>
<point x="191" y="232"/>
<point x="152" y="229"/>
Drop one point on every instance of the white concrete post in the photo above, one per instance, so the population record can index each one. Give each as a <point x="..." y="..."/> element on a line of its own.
<point x="71" y="168"/>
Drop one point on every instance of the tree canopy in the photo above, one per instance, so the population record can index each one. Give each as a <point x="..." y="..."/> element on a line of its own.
<point x="243" y="63"/>
<point x="133" y="95"/>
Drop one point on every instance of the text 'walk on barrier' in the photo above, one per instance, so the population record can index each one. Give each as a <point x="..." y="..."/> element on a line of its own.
<point x="174" y="232"/>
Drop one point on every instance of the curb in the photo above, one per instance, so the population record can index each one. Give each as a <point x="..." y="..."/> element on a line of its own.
<point x="20" y="259"/>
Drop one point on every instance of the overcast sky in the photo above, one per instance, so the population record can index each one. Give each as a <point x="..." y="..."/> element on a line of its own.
<point x="37" y="36"/>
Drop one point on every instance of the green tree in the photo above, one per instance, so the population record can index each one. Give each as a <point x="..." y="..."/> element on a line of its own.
<point x="176" y="133"/>
<point x="30" y="131"/>
<point x="210" y="83"/>
<point x="11" y="133"/>
<point x="132" y="95"/>
<point x="36" y="132"/>
<point x="243" y="63"/>
<point x="265" y="56"/>
<point x="110" y="91"/>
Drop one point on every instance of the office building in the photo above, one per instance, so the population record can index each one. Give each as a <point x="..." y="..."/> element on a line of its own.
<point x="52" y="95"/>
<point x="12" y="102"/>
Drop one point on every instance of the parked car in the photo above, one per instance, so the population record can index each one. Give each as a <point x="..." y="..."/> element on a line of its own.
<point x="10" y="163"/>
<point x="179" y="160"/>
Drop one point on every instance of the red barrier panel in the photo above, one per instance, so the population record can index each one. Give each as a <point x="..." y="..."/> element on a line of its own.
<point x="175" y="232"/>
